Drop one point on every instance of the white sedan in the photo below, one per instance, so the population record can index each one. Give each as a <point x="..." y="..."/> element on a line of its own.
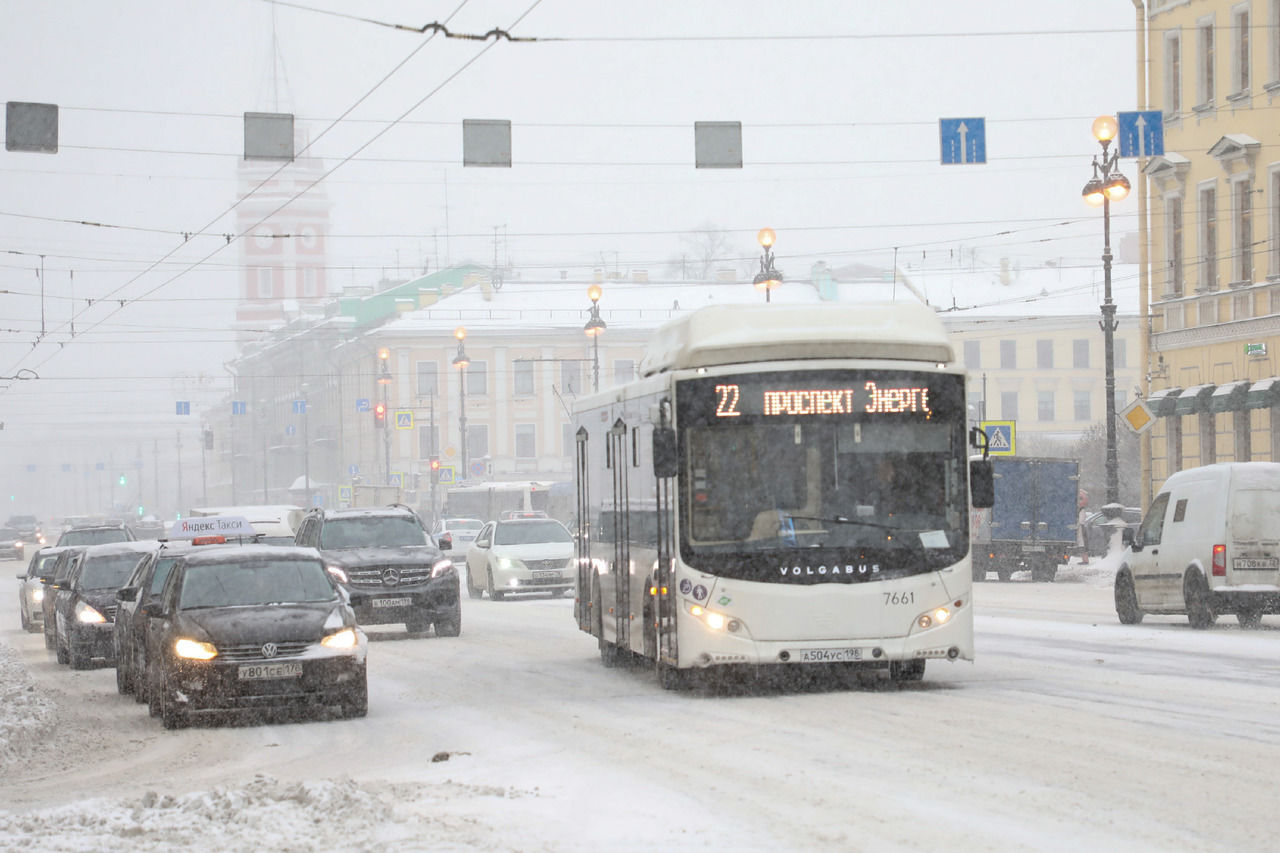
<point x="520" y="555"/>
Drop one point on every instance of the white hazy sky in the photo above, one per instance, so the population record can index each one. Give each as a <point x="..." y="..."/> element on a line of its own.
<point x="840" y="103"/>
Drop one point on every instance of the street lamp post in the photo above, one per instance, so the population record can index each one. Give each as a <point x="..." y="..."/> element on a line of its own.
<point x="769" y="277"/>
<point x="384" y="379"/>
<point x="595" y="326"/>
<point x="461" y="361"/>
<point x="1108" y="185"/>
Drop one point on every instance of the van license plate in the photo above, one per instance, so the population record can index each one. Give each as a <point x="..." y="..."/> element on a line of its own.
<point x="1256" y="564"/>
<point x="1035" y="548"/>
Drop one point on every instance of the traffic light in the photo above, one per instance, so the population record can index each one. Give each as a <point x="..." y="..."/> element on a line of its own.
<point x="435" y="469"/>
<point x="141" y="510"/>
<point x="380" y="416"/>
<point x="124" y="481"/>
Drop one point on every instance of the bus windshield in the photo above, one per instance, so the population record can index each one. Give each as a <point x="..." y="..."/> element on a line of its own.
<point x="826" y="474"/>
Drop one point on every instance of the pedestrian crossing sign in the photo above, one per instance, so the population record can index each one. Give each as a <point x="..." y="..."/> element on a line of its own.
<point x="1000" y="437"/>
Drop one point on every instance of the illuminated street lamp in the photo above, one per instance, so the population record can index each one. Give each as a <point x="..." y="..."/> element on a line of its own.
<point x="769" y="277"/>
<point x="595" y="326"/>
<point x="1108" y="185"/>
<point x="461" y="361"/>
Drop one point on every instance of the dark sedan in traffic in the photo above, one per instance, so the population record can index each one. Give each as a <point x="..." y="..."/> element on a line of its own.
<point x="249" y="629"/>
<point x="85" y="603"/>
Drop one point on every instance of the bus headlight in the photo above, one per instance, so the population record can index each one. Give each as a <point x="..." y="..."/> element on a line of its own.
<point x="937" y="616"/>
<point x="713" y="620"/>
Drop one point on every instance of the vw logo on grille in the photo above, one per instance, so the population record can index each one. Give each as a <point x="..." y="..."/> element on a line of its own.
<point x="391" y="577"/>
<point x="269" y="650"/>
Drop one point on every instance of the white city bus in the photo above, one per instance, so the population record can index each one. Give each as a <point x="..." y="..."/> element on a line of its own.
<point x="729" y="501"/>
<point x="488" y="501"/>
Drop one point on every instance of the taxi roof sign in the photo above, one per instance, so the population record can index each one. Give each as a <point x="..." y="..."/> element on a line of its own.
<point x="211" y="525"/>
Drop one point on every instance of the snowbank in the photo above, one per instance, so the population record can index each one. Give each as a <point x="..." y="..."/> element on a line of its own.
<point x="26" y="711"/>
<point x="265" y="814"/>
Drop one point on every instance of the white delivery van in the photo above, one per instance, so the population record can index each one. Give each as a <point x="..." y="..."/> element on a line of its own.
<point x="1209" y="544"/>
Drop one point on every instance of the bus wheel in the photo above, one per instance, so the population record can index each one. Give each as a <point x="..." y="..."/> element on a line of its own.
<point x="901" y="671"/>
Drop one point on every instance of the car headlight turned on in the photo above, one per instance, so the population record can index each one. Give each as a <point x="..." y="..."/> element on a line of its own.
<point x="344" y="639"/>
<point x="337" y="572"/>
<point x="194" y="650"/>
<point x="37" y="594"/>
<point x="88" y="615"/>
<point x="440" y="568"/>
<point x="506" y="563"/>
<point x="938" y="615"/>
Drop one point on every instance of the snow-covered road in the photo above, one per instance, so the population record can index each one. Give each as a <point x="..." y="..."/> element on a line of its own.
<point x="1070" y="732"/>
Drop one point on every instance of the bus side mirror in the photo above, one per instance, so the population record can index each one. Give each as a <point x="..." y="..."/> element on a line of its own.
<point x="665" y="459"/>
<point x="982" y="483"/>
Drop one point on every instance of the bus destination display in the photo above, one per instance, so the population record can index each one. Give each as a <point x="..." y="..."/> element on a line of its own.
<point x="871" y="398"/>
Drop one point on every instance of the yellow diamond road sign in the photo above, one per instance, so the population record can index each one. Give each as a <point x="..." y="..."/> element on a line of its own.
<point x="1138" y="417"/>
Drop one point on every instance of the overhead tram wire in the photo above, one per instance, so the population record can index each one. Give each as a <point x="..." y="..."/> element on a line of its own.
<point x="268" y="179"/>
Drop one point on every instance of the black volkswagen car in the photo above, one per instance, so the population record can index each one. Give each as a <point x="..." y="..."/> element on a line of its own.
<point x="252" y="628"/>
<point x="85" y="603"/>
<point x="391" y="566"/>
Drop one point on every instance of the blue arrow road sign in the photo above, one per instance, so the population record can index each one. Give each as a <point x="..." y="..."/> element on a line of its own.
<point x="362" y="404"/>
<point x="964" y="140"/>
<point x="1141" y="133"/>
<point x="183" y="407"/>
<point x="239" y="407"/>
<point x="299" y="407"/>
<point x="290" y="429"/>
<point x="353" y="470"/>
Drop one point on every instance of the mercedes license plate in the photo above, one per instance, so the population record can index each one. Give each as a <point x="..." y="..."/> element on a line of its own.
<point x="1256" y="564"/>
<point x="258" y="671"/>
<point x="1035" y="548"/>
<point x="392" y="602"/>
<point x="827" y="655"/>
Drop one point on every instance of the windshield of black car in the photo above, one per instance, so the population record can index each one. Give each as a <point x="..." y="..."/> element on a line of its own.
<point x="254" y="582"/>
<point x="372" y="531"/>
<point x="93" y="537"/>
<point x="108" y="571"/>
<point x="530" y="532"/>
<point x="163" y="566"/>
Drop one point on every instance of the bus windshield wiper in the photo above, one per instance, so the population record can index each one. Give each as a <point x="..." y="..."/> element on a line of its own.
<point x="840" y="519"/>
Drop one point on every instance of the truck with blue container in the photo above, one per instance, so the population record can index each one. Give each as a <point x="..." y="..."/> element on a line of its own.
<point x="1032" y="525"/>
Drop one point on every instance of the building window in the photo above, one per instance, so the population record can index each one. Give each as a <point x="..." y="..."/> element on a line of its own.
<point x="1044" y="405"/>
<point x="428" y="441"/>
<point x="1009" y="405"/>
<point x="973" y="354"/>
<point x="1172" y="74"/>
<point x="1208" y="238"/>
<point x="1080" y="353"/>
<point x="1242" y="225"/>
<point x="265" y="283"/>
<point x="1119" y="352"/>
<point x="1173" y="224"/>
<point x="309" y="279"/>
<point x="1173" y="318"/>
<point x="477" y="441"/>
<point x="427" y="379"/>
<point x="1204" y="35"/>
<point x="1044" y="355"/>
<point x="624" y="370"/>
<point x="1275" y="40"/>
<point x="477" y="377"/>
<point x="1080" y="406"/>
<point x="1242" y="306"/>
<point x="522" y="378"/>
<point x="571" y="378"/>
<point x="568" y="444"/>
<point x="1009" y="355"/>
<point x="1240" y="51"/>
<point x="1208" y="312"/>
<point x="526" y="443"/>
<point x="1273" y="270"/>
<point x="976" y="407"/>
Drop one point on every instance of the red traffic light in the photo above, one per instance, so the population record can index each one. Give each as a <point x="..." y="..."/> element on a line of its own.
<point x="380" y="415"/>
<point x="435" y="463"/>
